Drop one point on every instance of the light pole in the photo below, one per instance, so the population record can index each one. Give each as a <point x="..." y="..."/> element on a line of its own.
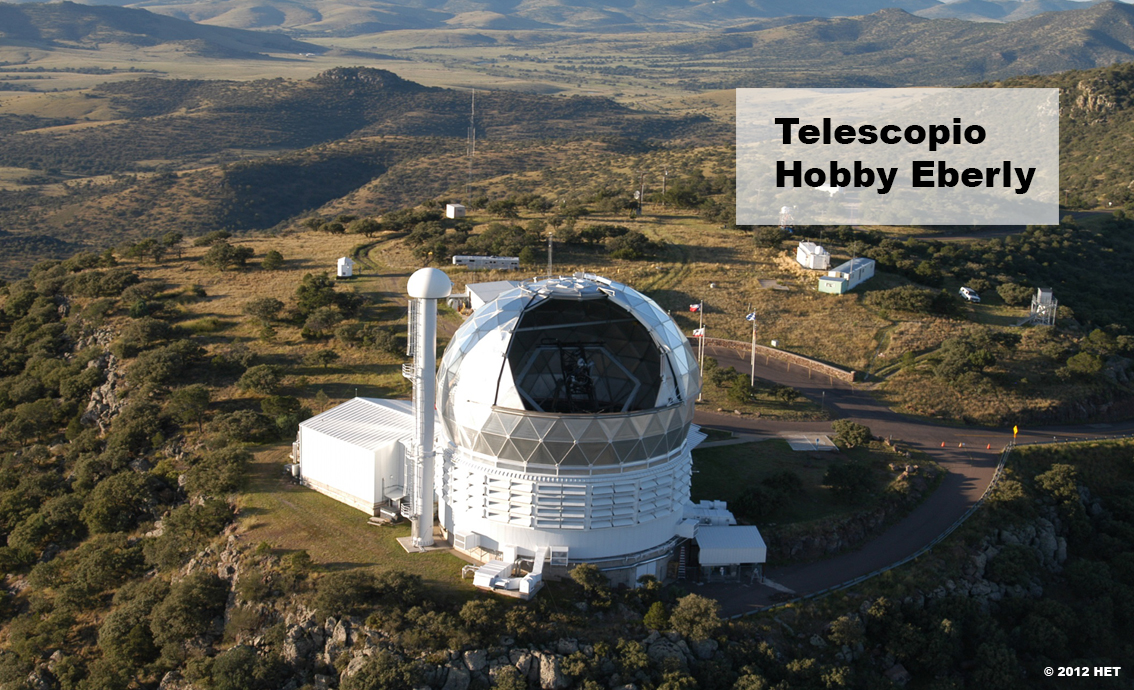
<point x="550" y="237"/>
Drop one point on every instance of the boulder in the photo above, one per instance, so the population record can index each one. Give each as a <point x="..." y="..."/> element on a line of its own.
<point x="551" y="675"/>
<point x="476" y="659"/>
<point x="458" y="679"/>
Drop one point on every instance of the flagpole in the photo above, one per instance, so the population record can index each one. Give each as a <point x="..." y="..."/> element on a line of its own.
<point x="752" y="364"/>
<point x="701" y="364"/>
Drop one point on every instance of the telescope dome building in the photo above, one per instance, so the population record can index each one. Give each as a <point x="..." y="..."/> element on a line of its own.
<point x="566" y="409"/>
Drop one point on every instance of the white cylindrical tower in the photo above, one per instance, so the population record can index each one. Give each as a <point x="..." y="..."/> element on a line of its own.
<point x="566" y="406"/>
<point x="426" y="286"/>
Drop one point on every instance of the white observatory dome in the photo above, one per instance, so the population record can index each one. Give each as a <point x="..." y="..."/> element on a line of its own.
<point x="567" y="405"/>
<point x="599" y="372"/>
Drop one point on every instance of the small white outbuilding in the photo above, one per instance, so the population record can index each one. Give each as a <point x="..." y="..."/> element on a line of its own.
<point x="454" y="210"/>
<point x="355" y="452"/>
<point x="346" y="267"/>
<point x="811" y="255"/>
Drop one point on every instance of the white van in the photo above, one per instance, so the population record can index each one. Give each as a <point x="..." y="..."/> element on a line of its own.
<point x="969" y="295"/>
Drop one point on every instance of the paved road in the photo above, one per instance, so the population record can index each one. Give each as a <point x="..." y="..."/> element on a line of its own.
<point x="970" y="469"/>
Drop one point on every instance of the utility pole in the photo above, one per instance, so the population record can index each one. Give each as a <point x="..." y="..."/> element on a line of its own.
<point x="550" y="237"/>
<point x="641" y="194"/>
<point x="664" y="179"/>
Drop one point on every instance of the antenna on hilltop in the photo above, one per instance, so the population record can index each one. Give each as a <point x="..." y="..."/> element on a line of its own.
<point x="471" y="147"/>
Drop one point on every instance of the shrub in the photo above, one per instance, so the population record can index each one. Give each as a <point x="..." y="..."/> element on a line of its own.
<point x="696" y="617"/>
<point x="850" y="481"/>
<point x="117" y="503"/>
<point x="1014" y="294"/>
<point x="243" y="426"/>
<point x="218" y="473"/>
<point x="273" y="261"/>
<point x="656" y="618"/>
<point x="189" y="609"/>
<point x="852" y="433"/>
<point x="345" y="593"/>
<point x="211" y="238"/>
<point x="263" y="378"/>
<point x="383" y="671"/>
<point x="223" y="256"/>
<point x="759" y="502"/>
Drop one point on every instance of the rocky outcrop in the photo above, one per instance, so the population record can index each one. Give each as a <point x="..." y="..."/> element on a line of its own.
<point x="107" y="400"/>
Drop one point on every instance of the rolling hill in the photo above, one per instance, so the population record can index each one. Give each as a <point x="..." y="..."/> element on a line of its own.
<point x="72" y="25"/>
<point x="895" y="48"/>
<point x="352" y="17"/>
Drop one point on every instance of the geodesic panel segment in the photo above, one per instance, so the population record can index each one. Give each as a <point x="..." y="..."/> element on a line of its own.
<point x="548" y="443"/>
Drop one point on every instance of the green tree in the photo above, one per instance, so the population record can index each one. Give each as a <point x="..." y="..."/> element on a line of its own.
<point x="1085" y="364"/>
<point x="769" y="236"/>
<point x="657" y="618"/>
<point x="590" y="578"/>
<point x="262" y="378"/>
<point x="223" y="256"/>
<point x="696" y="617"/>
<point x="218" y="472"/>
<point x="740" y="390"/>
<point x="211" y="238"/>
<point x="266" y="309"/>
<point x="1015" y="295"/>
<point x="117" y="503"/>
<point x="365" y="226"/>
<point x="189" y="610"/>
<point x="321" y="358"/>
<point x="189" y="404"/>
<point x="272" y="261"/>
<point x="276" y="405"/>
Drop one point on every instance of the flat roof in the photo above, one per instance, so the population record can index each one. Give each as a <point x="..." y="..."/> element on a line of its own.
<point x="486" y="292"/>
<point x="730" y="545"/>
<point x="370" y="423"/>
<point x="853" y="264"/>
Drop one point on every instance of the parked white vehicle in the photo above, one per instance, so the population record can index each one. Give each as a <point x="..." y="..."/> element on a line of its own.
<point x="969" y="295"/>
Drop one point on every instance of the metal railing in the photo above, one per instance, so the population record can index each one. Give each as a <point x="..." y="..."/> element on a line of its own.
<point x="784" y="356"/>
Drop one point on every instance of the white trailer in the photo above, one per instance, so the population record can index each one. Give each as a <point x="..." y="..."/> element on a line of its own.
<point x="483" y="263"/>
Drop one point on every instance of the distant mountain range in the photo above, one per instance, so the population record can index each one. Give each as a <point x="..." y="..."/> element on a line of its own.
<point x="894" y="48"/>
<point x="68" y="24"/>
<point x="350" y="17"/>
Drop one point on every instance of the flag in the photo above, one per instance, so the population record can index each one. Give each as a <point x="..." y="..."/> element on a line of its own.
<point x="750" y="317"/>
<point x="694" y="307"/>
<point x="698" y="332"/>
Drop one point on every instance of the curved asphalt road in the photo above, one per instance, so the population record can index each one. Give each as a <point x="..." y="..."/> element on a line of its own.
<point x="970" y="470"/>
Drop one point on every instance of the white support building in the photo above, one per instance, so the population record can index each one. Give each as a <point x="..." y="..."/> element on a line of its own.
<point x="481" y="294"/>
<point x="483" y="263"/>
<point x="454" y="210"/>
<point x="811" y="255"/>
<point x="356" y="452"/>
<point x="848" y="276"/>
<point x="345" y="267"/>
